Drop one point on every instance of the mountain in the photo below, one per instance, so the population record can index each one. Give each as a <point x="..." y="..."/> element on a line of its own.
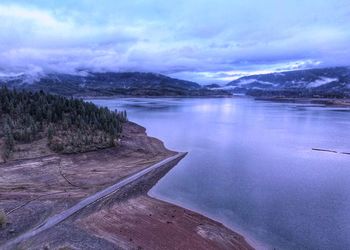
<point x="323" y="82"/>
<point x="108" y="84"/>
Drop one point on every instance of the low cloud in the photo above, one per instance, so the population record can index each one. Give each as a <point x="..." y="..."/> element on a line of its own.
<point x="195" y="40"/>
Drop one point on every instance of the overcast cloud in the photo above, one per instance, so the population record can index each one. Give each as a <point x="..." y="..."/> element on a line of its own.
<point x="205" y="41"/>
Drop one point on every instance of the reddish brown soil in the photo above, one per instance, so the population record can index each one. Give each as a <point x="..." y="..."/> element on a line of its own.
<point x="147" y="223"/>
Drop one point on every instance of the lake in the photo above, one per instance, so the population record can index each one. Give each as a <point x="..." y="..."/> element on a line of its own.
<point x="251" y="165"/>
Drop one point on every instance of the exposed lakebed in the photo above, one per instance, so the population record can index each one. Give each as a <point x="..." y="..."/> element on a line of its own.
<point x="251" y="165"/>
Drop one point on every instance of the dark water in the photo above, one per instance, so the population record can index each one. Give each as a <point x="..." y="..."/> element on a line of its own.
<point x="251" y="165"/>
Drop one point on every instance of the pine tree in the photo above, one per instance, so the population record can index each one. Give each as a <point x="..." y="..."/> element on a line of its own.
<point x="50" y="133"/>
<point x="9" y="140"/>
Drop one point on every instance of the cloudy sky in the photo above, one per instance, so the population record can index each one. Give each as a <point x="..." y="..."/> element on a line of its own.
<point x="201" y="40"/>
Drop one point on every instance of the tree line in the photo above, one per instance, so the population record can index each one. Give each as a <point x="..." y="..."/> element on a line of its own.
<point x="70" y="125"/>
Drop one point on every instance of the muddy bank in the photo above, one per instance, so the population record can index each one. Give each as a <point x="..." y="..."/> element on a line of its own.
<point x="146" y="223"/>
<point x="31" y="190"/>
<point x="34" y="190"/>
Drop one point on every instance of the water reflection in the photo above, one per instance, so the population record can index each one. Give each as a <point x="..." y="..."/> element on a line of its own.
<point x="251" y="165"/>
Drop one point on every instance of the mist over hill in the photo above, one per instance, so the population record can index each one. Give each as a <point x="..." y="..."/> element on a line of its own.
<point x="323" y="82"/>
<point x="107" y="84"/>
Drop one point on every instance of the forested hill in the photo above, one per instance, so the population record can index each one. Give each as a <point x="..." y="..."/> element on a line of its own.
<point x="67" y="125"/>
<point x="107" y="84"/>
<point x="322" y="82"/>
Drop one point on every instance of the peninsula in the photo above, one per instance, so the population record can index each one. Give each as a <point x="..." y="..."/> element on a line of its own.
<point x="82" y="183"/>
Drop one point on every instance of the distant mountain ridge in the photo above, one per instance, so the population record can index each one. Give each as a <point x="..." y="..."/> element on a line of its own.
<point x="322" y="82"/>
<point x="108" y="84"/>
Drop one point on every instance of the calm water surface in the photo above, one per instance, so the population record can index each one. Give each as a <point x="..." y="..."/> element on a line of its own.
<point x="251" y="166"/>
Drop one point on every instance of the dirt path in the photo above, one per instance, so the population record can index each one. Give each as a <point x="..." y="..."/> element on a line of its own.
<point x="56" y="219"/>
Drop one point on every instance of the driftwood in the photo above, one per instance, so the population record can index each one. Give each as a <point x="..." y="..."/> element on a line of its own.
<point x="330" y="151"/>
<point x="325" y="150"/>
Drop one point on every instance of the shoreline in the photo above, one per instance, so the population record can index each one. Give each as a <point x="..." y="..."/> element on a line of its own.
<point x="325" y="102"/>
<point x="44" y="199"/>
<point x="151" y="97"/>
<point x="250" y="239"/>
